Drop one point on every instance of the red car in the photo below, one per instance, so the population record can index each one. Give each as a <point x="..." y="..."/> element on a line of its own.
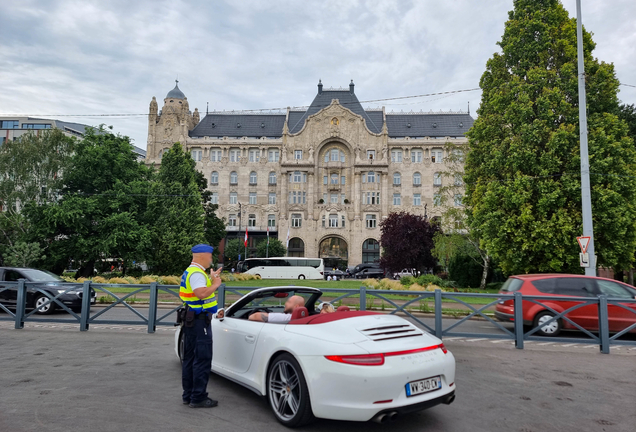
<point x="567" y="285"/>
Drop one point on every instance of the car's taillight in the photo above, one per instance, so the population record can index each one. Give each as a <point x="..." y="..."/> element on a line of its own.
<point x="443" y="348"/>
<point x="360" y="360"/>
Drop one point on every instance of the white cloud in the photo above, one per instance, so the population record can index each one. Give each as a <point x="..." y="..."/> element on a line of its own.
<point x="71" y="57"/>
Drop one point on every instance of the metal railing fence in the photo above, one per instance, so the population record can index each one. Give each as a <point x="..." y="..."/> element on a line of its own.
<point x="519" y="334"/>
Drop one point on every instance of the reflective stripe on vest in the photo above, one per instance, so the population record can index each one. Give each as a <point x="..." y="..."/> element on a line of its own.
<point x="187" y="296"/>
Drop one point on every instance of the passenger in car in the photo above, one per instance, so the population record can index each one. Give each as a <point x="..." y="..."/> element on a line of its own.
<point x="280" y="318"/>
<point x="326" y="308"/>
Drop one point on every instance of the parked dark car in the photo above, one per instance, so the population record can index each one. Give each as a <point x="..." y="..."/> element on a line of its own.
<point x="35" y="299"/>
<point x="367" y="273"/>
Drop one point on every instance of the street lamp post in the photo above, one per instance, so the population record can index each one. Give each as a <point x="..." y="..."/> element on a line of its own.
<point x="586" y="199"/>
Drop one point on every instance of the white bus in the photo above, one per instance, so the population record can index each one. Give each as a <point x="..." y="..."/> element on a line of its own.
<point x="285" y="268"/>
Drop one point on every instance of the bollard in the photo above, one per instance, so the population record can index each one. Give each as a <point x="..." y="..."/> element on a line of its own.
<point x="152" y="308"/>
<point x="86" y="305"/>
<point x="363" y="298"/>
<point x="20" y="307"/>
<point x="438" y="314"/>
<point x="518" y="315"/>
<point x="603" y="324"/>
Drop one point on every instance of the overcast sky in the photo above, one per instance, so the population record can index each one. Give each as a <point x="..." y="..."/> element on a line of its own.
<point x="94" y="57"/>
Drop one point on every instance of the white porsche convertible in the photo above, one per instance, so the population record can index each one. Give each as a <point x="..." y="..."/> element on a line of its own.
<point x="345" y="365"/>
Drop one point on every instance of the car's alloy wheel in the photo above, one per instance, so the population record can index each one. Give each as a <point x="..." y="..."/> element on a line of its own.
<point x="40" y="306"/>
<point x="287" y="392"/>
<point x="181" y="346"/>
<point x="552" y="329"/>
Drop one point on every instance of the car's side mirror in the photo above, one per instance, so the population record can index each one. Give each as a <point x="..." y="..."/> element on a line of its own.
<point x="220" y="315"/>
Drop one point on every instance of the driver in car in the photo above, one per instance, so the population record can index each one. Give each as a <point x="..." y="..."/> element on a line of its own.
<point x="280" y="318"/>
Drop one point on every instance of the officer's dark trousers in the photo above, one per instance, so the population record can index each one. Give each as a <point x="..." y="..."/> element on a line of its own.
<point x="197" y="361"/>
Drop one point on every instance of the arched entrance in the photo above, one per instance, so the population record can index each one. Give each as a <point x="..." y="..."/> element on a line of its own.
<point x="335" y="252"/>
<point x="296" y="247"/>
<point x="370" y="251"/>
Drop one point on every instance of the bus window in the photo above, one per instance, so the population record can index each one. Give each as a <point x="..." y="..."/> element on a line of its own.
<point x="314" y="263"/>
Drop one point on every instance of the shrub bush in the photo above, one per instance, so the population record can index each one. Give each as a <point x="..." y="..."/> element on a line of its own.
<point x="131" y="280"/>
<point x="463" y="269"/>
<point x="416" y="287"/>
<point x="370" y="283"/>
<point x="99" y="280"/>
<point x="427" y="279"/>
<point x="118" y="281"/>
<point x="407" y="280"/>
<point x="169" y="280"/>
<point x="148" y="279"/>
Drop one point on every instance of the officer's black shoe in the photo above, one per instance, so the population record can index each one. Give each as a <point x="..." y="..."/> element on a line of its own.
<point x="186" y="402"/>
<point x="207" y="403"/>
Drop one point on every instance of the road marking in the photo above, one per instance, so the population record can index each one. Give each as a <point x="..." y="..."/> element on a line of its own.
<point x="546" y="343"/>
<point x="452" y="338"/>
<point x="500" y="341"/>
<point x="569" y="345"/>
<point x="475" y="340"/>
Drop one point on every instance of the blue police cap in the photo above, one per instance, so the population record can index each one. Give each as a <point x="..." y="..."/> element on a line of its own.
<point x="202" y="248"/>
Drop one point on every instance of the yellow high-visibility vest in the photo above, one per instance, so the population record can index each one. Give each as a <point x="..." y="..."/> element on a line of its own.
<point x="187" y="296"/>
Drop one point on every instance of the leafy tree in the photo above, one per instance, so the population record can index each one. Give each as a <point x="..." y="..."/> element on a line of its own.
<point x="522" y="170"/>
<point x="465" y="270"/>
<point x="276" y="248"/>
<point x="32" y="168"/>
<point x="233" y="248"/>
<point x="100" y="212"/>
<point x="213" y="225"/>
<point x="628" y="114"/>
<point x="23" y="254"/>
<point x="407" y="241"/>
<point x="175" y="212"/>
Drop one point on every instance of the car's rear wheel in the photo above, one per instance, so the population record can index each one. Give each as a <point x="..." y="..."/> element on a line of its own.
<point x="287" y="392"/>
<point x="551" y="329"/>
<point x="301" y="276"/>
<point x="41" y="307"/>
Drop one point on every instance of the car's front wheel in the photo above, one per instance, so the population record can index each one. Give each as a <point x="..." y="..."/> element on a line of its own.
<point x="287" y="392"/>
<point x="551" y="329"/>
<point x="41" y="307"/>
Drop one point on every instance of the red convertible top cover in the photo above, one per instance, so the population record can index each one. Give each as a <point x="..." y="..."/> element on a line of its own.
<point x="334" y="316"/>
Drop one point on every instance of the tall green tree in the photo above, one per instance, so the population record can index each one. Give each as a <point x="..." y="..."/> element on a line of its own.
<point x="276" y="248"/>
<point x="213" y="226"/>
<point x="175" y="213"/>
<point x="232" y="250"/>
<point x="628" y="113"/>
<point x="100" y="212"/>
<point x="407" y="242"/>
<point x="522" y="170"/>
<point x="31" y="169"/>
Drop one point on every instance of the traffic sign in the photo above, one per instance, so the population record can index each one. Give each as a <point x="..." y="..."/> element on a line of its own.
<point x="584" y="259"/>
<point x="584" y="242"/>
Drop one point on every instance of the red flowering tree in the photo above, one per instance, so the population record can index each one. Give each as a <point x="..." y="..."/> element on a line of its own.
<point x="407" y="241"/>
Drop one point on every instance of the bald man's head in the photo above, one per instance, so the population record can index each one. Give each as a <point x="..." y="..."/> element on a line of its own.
<point x="293" y="302"/>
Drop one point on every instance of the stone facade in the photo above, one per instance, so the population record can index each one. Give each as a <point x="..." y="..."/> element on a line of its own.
<point x="329" y="183"/>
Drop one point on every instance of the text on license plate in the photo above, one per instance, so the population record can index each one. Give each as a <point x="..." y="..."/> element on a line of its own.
<point x="423" y="386"/>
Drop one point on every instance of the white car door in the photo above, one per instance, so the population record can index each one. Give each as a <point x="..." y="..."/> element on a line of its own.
<point x="234" y="342"/>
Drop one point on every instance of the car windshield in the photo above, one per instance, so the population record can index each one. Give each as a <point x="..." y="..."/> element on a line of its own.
<point x="41" y="276"/>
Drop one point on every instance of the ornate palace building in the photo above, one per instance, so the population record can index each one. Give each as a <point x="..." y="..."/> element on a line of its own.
<point x="327" y="175"/>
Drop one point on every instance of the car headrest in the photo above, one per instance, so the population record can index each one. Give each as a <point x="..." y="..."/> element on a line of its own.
<point x="343" y="309"/>
<point x="300" y="312"/>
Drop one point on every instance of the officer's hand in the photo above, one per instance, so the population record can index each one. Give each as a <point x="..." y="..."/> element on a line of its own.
<point x="215" y="274"/>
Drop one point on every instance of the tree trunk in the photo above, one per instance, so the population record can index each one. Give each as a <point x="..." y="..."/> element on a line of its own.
<point x="484" y="274"/>
<point x="630" y="277"/>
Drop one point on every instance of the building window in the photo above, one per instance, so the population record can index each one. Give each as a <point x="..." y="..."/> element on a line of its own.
<point x="437" y="179"/>
<point x="9" y="124"/>
<point x="254" y="155"/>
<point x="324" y="198"/>
<point x="437" y="200"/>
<point x="273" y="156"/>
<point x="343" y="180"/>
<point x="396" y="155"/>
<point x="372" y="221"/>
<point x="417" y="179"/>
<point x="342" y="198"/>
<point x="215" y="155"/>
<point x="214" y="178"/>
<point x="271" y="198"/>
<point x="416" y="156"/>
<point x="334" y="198"/>
<point x="272" y="178"/>
<point x="370" y="251"/>
<point x="197" y="155"/>
<point x="371" y="198"/>
<point x="417" y="199"/>
<point x="253" y="178"/>
<point x="304" y="177"/>
<point x="334" y="179"/>
<point x="296" y="220"/>
<point x="458" y="155"/>
<point x="231" y="221"/>
<point x="298" y="154"/>
<point x="436" y="156"/>
<point x="297" y="177"/>
<point x="370" y="177"/>
<point x="214" y="198"/>
<point x="342" y="221"/>
<point x="251" y="220"/>
<point x="370" y="154"/>
<point x="333" y="221"/>
<point x="233" y="198"/>
<point x="252" y="197"/>
<point x="233" y="178"/>
<point x="325" y="180"/>
<point x="271" y="220"/>
<point x="457" y="200"/>
<point x="397" y="199"/>
<point x="304" y="197"/>
<point x="458" y="180"/>
<point x="397" y="179"/>
<point x="296" y="247"/>
<point x="235" y="155"/>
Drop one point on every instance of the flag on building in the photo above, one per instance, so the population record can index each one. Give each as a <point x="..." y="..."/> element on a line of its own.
<point x="267" y="236"/>
<point x="287" y="246"/>
<point x="245" y="237"/>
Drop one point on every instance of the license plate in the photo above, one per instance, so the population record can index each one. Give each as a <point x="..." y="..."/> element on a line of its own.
<point x="423" y="386"/>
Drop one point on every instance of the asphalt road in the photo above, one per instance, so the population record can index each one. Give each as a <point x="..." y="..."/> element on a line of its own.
<point x="121" y="313"/>
<point x="116" y="380"/>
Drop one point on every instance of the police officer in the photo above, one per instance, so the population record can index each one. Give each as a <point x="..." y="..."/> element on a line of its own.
<point x="197" y="292"/>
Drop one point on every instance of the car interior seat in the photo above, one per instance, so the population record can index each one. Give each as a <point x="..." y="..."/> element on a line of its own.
<point x="299" y="312"/>
<point x="343" y="309"/>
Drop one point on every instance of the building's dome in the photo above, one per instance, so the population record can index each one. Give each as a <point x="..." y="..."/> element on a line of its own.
<point x="175" y="93"/>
